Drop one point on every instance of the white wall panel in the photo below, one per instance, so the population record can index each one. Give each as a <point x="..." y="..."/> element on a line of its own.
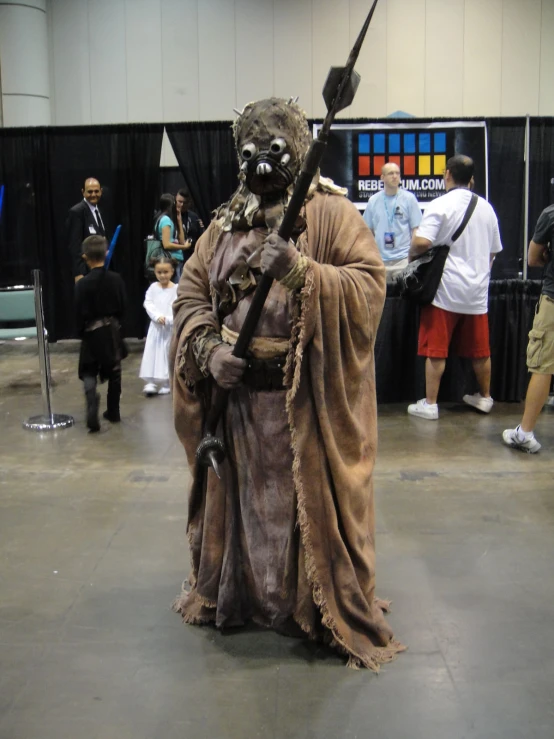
<point x="217" y="59"/>
<point x="482" y="85"/>
<point x="292" y="49"/>
<point x="521" y="38"/>
<point x="180" y="60"/>
<point x="71" y="62"/>
<point x="108" y="63"/>
<point x="26" y="111"/>
<point x="141" y="60"/>
<point x="254" y="50"/>
<point x="444" y="53"/>
<point x="24" y="50"/>
<point x="331" y="44"/>
<point x="371" y="98"/>
<point x="546" y="89"/>
<point x="406" y="56"/>
<point x="143" y="47"/>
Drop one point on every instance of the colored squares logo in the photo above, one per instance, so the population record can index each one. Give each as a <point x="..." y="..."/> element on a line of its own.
<point x="440" y="143"/>
<point x="409" y="143"/>
<point x="439" y="163"/>
<point x="379" y="143"/>
<point x="378" y="164"/>
<point x="394" y="143"/>
<point x="364" y="143"/>
<point x="424" y="143"/>
<point x="364" y="166"/>
<point x="417" y="153"/>
<point x="409" y="166"/>
<point x="424" y="165"/>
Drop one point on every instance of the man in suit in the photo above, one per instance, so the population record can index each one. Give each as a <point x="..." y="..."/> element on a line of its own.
<point x="83" y="220"/>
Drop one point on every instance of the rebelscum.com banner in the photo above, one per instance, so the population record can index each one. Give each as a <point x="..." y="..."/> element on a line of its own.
<point x="356" y="153"/>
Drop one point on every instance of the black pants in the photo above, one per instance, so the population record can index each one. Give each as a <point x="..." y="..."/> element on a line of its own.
<point x="114" y="388"/>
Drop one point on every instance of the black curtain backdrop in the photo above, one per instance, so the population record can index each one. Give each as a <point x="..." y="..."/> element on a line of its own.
<point x="541" y="175"/>
<point x="171" y="180"/>
<point x="541" y="168"/>
<point x="506" y="140"/>
<point x="208" y="162"/>
<point x="26" y="228"/>
<point x="43" y="170"/>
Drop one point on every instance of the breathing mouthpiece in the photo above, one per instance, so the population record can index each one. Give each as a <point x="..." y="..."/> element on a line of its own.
<point x="264" y="168"/>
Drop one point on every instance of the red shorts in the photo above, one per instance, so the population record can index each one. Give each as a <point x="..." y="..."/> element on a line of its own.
<point x="438" y="327"/>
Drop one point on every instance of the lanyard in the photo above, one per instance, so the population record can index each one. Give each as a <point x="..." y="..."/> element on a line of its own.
<point x="390" y="216"/>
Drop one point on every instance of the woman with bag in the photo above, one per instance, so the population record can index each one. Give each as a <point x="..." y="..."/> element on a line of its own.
<point x="169" y="236"/>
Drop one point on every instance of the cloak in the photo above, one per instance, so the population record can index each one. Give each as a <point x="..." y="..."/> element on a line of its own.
<point x="332" y="418"/>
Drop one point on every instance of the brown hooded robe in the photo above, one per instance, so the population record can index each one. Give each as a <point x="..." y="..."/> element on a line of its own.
<point x="330" y="408"/>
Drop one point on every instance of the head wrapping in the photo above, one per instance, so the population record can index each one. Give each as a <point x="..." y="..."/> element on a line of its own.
<point x="272" y="138"/>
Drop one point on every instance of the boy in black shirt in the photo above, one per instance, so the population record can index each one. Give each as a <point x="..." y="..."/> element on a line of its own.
<point x="99" y="307"/>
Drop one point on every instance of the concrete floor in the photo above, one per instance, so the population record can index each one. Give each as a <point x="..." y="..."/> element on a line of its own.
<point x="92" y="551"/>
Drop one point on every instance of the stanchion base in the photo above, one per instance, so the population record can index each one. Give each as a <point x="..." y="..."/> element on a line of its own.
<point x="49" y="423"/>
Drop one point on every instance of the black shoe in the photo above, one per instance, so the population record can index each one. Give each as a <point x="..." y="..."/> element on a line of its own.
<point x="112" y="417"/>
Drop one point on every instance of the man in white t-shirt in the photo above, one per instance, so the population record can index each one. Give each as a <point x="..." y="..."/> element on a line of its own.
<point x="460" y="305"/>
<point x="393" y="215"/>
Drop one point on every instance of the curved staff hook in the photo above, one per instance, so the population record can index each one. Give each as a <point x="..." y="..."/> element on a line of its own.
<point x="338" y="92"/>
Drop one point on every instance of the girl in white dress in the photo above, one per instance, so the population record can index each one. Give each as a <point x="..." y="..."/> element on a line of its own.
<point x="158" y="303"/>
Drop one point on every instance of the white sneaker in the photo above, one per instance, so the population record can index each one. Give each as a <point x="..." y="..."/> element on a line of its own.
<point x="511" y="438"/>
<point x="550" y="402"/>
<point x="479" y="402"/>
<point x="423" y="409"/>
<point x="150" y="389"/>
<point x="164" y="390"/>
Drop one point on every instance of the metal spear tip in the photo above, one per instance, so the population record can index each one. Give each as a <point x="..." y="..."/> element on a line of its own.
<point x="342" y="82"/>
<point x="332" y="85"/>
<point x="212" y="456"/>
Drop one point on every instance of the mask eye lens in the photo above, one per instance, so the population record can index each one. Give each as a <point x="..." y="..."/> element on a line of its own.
<point x="248" y="151"/>
<point x="277" y="146"/>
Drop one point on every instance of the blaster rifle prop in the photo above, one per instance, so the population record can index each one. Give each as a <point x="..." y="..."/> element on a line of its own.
<point x="112" y="247"/>
<point x="338" y="92"/>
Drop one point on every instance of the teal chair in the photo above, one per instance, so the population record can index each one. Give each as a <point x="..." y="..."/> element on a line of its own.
<point x="17" y="313"/>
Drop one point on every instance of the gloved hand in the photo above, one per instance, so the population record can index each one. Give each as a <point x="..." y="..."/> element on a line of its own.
<point x="226" y="369"/>
<point x="278" y="256"/>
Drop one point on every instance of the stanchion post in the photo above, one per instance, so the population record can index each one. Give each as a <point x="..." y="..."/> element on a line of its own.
<point x="43" y="354"/>
<point x="48" y="421"/>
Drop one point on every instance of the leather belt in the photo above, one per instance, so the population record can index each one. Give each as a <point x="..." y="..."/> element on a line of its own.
<point x="264" y="374"/>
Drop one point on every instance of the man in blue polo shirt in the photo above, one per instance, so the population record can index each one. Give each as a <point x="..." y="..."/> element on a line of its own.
<point x="393" y="215"/>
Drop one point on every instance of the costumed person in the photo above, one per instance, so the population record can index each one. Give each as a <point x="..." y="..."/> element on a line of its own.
<point x="286" y="537"/>
<point x="99" y="308"/>
<point x="158" y="303"/>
